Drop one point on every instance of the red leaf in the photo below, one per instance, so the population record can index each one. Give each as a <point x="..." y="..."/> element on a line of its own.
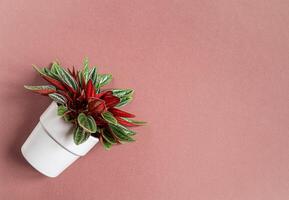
<point x="120" y="113"/>
<point x="124" y="122"/>
<point x="103" y="94"/>
<point x="99" y="121"/>
<point x="81" y="97"/>
<point x="70" y="89"/>
<point x="45" y="92"/>
<point x="90" y="92"/>
<point x="82" y="82"/>
<point x="54" y="82"/>
<point x="111" y="101"/>
<point x="96" y="106"/>
<point x="72" y="72"/>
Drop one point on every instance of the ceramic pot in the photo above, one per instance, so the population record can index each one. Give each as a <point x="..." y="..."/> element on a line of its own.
<point x="50" y="148"/>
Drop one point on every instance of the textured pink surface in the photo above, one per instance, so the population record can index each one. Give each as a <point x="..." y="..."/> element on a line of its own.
<point x="211" y="78"/>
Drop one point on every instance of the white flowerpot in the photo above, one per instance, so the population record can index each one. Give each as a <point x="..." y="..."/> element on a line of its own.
<point x="50" y="147"/>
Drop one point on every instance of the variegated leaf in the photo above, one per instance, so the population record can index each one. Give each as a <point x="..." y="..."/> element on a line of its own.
<point x="43" y="89"/>
<point x="86" y="69"/>
<point x="107" y="116"/>
<point x="105" y="143"/>
<point x="122" y="92"/>
<point x="134" y="121"/>
<point x="124" y="100"/>
<point x="123" y="129"/>
<point x="121" y="135"/>
<point x="58" y="98"/>
<point x="80" y="135"/>
<point x="65" y="76"/>
<point x="108" y="137"/>
<point x="87" y="123"/>
<point x="39" y="70"/>
<point x="93" y="75"/>
<point x="103" y="79"/>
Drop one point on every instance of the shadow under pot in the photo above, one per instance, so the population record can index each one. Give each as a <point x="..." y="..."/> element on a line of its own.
<point x="50" y="147"/>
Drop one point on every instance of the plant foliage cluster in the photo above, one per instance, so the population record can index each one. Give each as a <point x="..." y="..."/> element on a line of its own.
<point x="82" y="102"/>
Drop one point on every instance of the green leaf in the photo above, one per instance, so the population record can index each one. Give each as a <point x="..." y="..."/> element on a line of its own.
<point x="106" y="144"/>
<point x="86" y="69"/>
<point x="40" y="87"/>
<point x="121" y="135"/>
<point x="124" y="100"/>
<point x="67" y="118"/>
<point x="122" y="129"/>
<point x="50" y="74"/>
<point x="103" y="79"/>
<point x="122" y="92"/>
<point x="61" y="110"/>
<point x="125" y="96"/>
<point x="108" y="137"/>
<point x="65" y="76"/>
<point x="134" y="121"/>
<point x="107" y="116"/>
<point x="79" y="135"/>
<point x="93" y="75"/>
<point x="86" y="122"/>
<point x="58" y="98"/>
<point x="54" y="67"/>
<point x="53" y="72"/>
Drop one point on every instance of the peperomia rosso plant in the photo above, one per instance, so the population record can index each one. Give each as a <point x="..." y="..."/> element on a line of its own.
<point x="82" y="102"/>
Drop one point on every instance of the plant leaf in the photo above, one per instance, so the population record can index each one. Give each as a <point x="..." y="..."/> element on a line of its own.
<point x="53" y="69"/>
<point x="134" y="121"/>
<point x="40" y="71"/>
<point x="111" y="101"/>
<point x="122" y="92"/>
<point x="96" y="106"/>
<point x="67" y="117"/>
<point x="65" y="76"/>
<point x="49" y="73"/>
<point x="122" y="129"/>
<point x="86" y="69"/>
<point x="79" y="74"/>
<point x="120" y="113"/>
<point x="93" y="75"/>
<point x="89" y="90"/>
<point x="43" y="89"/>
<point x="105" y="144"/>
<point x="58" y="84"/>
<point x="108" y="137"/>
<point x="103" y="79"/>
<point x="87" y="123"/>
<point x="58" y="98"/>
<point x="79" y="135"/>
<point x="121" y="135"/>
<point x="125" y="96"/>
<point x="61" y="110"/>
<point x="123" y="101"/>
<point x="129" y="122"/>
<point x="45" y="72"/>
<point x="107" y="116"/>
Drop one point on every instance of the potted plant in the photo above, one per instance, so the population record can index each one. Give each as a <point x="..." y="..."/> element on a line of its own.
<point x="81" y="115"/>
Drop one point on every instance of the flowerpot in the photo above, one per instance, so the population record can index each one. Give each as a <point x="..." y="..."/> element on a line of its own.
<point x="50" y="148"/>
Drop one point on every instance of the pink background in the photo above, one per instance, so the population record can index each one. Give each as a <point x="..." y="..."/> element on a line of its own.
<point x="211" y="78"/>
